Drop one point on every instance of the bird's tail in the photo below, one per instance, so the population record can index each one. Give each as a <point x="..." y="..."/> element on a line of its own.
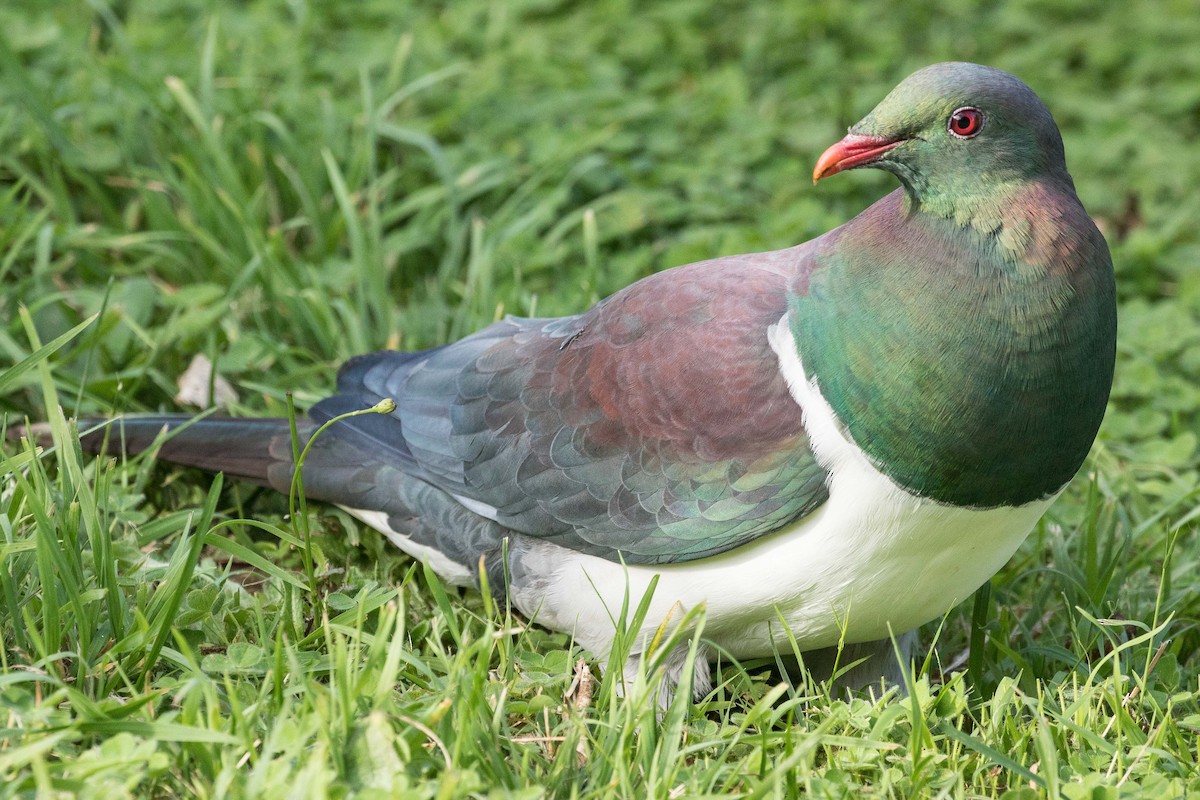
<point x="337" y="469"/>
<point x="414" y="514"/>
<point x="255" y="450"/>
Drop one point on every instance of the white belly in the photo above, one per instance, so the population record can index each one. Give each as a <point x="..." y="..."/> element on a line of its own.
<point x="871" y="561"/>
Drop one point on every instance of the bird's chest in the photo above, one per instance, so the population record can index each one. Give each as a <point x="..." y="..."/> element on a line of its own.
<point x="873" y="559"/>
<point x="966" y="377"/>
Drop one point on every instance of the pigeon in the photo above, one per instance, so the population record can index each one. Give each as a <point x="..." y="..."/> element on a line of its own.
<point x="822" y="447"/>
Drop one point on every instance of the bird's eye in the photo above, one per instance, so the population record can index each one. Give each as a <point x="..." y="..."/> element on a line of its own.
<point x="966" y="122"/>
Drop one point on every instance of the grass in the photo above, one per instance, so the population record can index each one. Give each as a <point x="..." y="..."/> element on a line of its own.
<point x="280" y="185"/>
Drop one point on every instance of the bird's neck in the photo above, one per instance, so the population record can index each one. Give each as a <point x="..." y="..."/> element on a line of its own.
<point x="1016" y="215"/>
<point x="968" y="354"/>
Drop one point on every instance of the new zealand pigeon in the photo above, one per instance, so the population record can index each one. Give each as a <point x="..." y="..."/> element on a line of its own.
<point x="837" y="441"/>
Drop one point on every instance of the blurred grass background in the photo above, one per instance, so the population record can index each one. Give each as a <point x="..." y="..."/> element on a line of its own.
<point x="279" y="185"/>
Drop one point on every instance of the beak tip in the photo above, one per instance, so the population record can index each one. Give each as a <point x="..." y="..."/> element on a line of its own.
<point x="824" y="169"/>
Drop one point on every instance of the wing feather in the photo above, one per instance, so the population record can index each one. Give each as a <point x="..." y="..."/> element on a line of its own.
<point x="656" y="427"/>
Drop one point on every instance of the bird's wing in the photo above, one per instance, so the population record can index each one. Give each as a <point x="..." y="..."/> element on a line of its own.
<point x="655" y="427"/>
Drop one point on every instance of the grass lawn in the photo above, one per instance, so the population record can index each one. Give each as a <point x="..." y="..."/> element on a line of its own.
<point x="280" y="184"/>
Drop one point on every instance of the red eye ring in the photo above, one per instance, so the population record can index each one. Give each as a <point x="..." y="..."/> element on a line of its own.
<point x="965" y="122"/>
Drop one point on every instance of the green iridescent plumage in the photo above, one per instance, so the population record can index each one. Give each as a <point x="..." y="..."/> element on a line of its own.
<point x="964" y="329"/>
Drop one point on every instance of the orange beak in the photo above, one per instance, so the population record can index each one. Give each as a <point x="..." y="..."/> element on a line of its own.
<point x="855" y="150"/>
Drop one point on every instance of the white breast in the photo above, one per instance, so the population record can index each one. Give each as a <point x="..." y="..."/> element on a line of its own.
<point x="874" y="559"/>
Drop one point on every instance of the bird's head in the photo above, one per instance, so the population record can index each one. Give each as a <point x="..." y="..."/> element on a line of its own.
<point x="951" y="128"/>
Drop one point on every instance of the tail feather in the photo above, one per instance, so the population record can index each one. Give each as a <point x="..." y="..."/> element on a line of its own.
<point x="255" y="450"/>
<point x="260" y="450"/>
<point x="370" y="483"/>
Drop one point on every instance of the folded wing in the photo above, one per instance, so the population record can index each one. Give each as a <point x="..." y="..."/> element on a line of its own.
<point x="655" y="427"/>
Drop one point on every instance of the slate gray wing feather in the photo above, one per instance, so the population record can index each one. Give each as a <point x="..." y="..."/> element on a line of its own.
<point x="612" y="432"/>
